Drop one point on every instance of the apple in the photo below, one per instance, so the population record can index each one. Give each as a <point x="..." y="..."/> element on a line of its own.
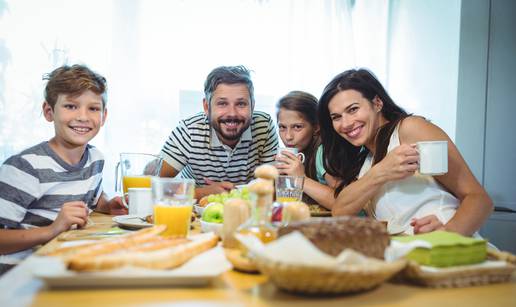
<point x="213" y="213"/>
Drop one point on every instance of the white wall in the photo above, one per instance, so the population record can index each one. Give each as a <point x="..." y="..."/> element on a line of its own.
<point x="423" y="57"/>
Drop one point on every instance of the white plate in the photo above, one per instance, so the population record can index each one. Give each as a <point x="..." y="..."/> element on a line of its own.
<point x="199" y="271"/>
<point x="131" y="221"/>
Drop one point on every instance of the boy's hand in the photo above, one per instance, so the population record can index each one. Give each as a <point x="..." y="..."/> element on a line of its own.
<point x="116" y="207"/>
<point x="71" y="213"/>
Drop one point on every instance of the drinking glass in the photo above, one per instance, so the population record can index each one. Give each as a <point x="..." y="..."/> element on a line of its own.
<point x="289" y="188"/>
<point x="173" y="202"/>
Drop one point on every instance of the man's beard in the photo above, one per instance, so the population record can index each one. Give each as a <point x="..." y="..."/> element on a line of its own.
<point x="231" y="136"/>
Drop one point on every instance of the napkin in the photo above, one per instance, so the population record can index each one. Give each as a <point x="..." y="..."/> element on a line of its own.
<point x="294" y="248"/>
<point x="445" y="249"/>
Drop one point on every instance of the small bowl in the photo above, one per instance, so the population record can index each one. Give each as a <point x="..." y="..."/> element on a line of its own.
<point x="211" y="227"/>
<point x="198" y="209"/>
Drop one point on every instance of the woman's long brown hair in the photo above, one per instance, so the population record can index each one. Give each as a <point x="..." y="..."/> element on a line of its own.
<point x="342" y="159"/>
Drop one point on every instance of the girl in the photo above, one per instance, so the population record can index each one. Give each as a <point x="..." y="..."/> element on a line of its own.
<point x="299" y="128"/>
<point x="370" y="148"/>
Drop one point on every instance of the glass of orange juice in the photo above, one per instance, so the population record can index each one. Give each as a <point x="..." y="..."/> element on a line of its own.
<point x="134" y="171"/>
<point x="289" y="188"/>
<point x="173" y="202"/>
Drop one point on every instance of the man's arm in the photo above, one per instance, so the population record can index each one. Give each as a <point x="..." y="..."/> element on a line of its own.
<point x="113" y="206"/>
<point x="167" y="170"/>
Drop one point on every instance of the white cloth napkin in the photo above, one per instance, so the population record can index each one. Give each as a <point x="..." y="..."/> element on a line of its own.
<point x="295" y="248"/>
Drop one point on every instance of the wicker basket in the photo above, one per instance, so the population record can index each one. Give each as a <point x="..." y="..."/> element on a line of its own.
<point x="461" y="276"/>
<point x="317" y="280"/>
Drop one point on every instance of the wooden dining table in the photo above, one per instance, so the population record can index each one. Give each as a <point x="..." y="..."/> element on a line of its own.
<point x="19" y="287"/>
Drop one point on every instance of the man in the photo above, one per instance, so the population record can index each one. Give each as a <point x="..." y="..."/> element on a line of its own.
<point x="221" y="146"/>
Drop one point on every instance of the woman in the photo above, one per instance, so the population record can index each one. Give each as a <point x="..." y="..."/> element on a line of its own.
<point x="369" y="145"/>
<point x="299" y="128"/>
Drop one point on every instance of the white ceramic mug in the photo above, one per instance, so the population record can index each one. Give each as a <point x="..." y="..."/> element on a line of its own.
<point x="294" y="151"/>
<point x="433" y="157"/>
<point x="140" y="201"/>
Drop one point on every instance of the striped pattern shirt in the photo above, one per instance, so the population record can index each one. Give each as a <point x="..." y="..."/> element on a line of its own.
<point x="191" y="150"/>
<point x="35" y="183"/>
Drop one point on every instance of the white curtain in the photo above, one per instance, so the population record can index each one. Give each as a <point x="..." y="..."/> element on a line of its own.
<point x="156" y="54"/>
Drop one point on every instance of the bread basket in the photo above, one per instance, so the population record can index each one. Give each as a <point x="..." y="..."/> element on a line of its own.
<point x="321" y="280"/>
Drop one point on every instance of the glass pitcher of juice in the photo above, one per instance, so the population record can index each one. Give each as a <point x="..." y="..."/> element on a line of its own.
<point x="135" y="171"/>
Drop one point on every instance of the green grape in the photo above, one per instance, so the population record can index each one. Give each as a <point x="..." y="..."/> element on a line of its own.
<point x="242" y="193"/>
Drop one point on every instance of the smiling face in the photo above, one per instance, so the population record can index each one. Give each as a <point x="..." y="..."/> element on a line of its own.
<point x="76" y="119"/>
<point x="230" y="113"/>
<point x="294" y="129"/>
<point x="355" y="118"/>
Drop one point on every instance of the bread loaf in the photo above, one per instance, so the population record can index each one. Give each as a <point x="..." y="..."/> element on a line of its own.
<point x="168" y="254"/>
<point x="332" y="235"/>
<point x="295" y="211"/>
<point x="109" y="245"/>
<point x="266" y="171"/>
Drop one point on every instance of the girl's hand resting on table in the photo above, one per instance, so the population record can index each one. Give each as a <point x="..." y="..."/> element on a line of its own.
<point x="289" y="164"/>
<point x="399" y="163"/>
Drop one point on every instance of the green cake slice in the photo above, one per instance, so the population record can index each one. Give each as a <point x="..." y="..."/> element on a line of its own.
<point x="448" y="249"/>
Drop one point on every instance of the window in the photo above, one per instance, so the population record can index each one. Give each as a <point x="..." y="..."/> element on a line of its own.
<point x="156" y="55"/>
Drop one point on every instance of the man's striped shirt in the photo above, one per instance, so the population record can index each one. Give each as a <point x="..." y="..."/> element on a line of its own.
<point x="35" y="183"/>
<point x="198" y="154"/>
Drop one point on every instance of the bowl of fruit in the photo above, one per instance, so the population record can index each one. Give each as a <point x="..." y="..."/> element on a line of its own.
<point x="212" y="218"/>
<point x="241" y="192"/>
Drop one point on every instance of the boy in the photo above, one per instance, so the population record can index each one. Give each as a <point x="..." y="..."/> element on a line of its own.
<point x="48" y="188"/>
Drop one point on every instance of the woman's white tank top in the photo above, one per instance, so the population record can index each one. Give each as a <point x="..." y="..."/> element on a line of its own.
<point x="414" y="197"/>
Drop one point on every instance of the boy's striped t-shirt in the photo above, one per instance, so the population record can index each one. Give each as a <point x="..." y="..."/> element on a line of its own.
<point x="37" y="182"/>
<point x="194" y="149"/>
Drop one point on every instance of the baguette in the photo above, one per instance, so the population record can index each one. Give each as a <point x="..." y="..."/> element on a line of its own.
<point x="109" y="245"/>
<point x="171" y="256"/>
<point x="158" y="244"/>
